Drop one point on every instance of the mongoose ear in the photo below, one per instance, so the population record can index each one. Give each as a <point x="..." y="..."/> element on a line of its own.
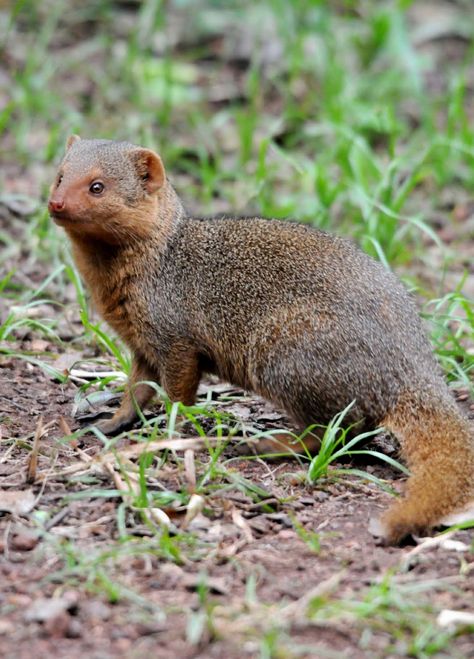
<point x="150" y="169"/>
<point x="72" y="139"/>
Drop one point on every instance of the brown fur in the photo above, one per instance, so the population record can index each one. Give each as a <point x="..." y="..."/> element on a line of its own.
<point x="299" y="316"/>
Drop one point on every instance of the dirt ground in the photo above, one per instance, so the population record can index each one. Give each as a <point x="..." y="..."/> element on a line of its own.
<point x="57" y="606"/>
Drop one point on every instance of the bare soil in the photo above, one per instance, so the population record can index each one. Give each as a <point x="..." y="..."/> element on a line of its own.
<point x="58" y="610"/>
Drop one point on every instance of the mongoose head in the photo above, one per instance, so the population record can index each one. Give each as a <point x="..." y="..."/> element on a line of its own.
<point x="107" y="190"/>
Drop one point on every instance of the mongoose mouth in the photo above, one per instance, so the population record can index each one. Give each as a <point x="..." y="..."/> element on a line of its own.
<point x="62" y="218"/>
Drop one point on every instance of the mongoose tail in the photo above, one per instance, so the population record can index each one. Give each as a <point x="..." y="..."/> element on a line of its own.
<point x="437" y="442"/>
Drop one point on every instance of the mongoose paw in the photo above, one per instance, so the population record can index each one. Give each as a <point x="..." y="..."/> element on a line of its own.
<point x="113" y="425"/>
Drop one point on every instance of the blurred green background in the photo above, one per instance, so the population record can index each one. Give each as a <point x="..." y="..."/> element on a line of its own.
<point x="353" y="116"/>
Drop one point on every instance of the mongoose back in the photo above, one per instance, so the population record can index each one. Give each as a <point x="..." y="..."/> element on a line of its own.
<point x="299" y="316"/>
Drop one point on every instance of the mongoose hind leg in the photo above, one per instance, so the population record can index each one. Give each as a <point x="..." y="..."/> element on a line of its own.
<point x="136" y="396"/>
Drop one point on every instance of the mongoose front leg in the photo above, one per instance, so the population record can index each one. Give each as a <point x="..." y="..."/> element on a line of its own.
<point x="181" y="373"/>
<point x="136" y="396"/>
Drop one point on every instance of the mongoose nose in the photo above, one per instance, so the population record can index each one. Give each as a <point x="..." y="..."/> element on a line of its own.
<point x="55" y="206"/>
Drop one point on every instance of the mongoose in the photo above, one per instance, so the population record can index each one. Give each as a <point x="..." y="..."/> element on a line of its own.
<point x="299" y="316"/>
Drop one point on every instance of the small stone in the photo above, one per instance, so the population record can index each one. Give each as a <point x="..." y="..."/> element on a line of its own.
<point x="286" y="534"/>
<point x="96" y="611"/>
<point x="58" y="626"/>
<point x="19" y="600"/>
<point x="280" y="518"/>
<point x="215" y="585"/>
<point x="44" y="609"/>
<point x="75" y="629"/>
<point x="122" y="644"/>
<point x="319" y="495"/>
<point x="39" y="345"/>
<point x="24" y="540"/>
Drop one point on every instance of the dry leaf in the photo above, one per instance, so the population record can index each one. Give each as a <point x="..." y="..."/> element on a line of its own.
<point x="65" y="429"/>
<point x="65" y="361"/>
<point x="240" y="522"/>
<point x="159" y="516"/>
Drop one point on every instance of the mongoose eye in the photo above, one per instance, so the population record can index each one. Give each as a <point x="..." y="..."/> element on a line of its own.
<point x="97" y="187"/>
